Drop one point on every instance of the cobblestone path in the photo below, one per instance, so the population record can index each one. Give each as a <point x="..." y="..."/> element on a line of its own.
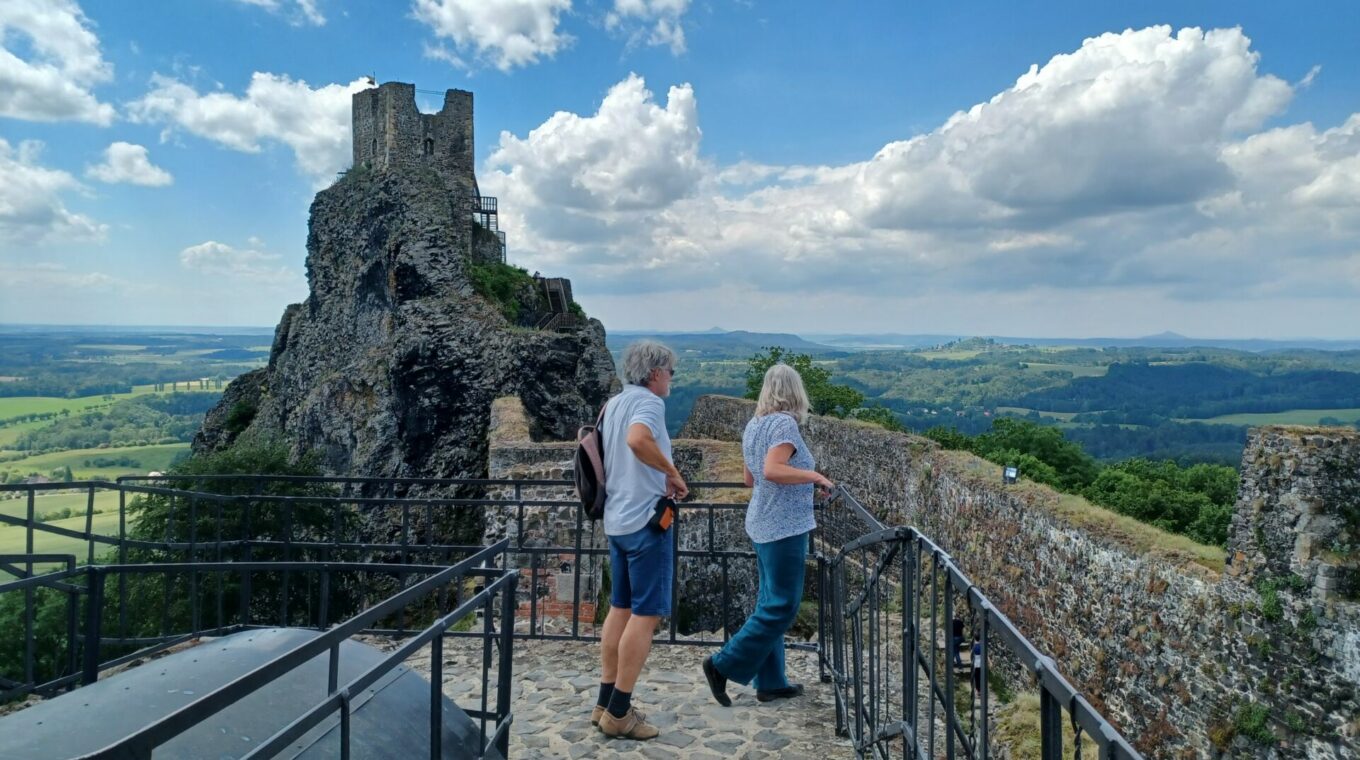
<point x="556" y="683"/>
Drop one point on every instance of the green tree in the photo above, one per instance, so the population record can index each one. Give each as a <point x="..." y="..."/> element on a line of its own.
<point x="825" y="396"/>
<point x="1073" y="466"/>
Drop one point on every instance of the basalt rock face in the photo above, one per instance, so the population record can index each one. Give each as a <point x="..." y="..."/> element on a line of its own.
<point x="389" y="368"/>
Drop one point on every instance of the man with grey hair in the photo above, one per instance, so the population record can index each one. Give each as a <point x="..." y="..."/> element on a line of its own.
<point x="639" y="473"/>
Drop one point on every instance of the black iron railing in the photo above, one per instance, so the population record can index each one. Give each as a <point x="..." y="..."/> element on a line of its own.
<point x="215" y="554"/>
<point x="898" y="617"/>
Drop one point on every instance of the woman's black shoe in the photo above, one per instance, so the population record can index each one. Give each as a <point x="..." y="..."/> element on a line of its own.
<point x="793" y="690"/>
<point x="717" y="682"/>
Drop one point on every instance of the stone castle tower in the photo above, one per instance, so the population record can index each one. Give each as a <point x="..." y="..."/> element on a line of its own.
<point x="390" y="132"/>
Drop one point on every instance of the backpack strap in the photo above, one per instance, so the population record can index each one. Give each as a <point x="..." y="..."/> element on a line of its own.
<point x="599" y="431"/>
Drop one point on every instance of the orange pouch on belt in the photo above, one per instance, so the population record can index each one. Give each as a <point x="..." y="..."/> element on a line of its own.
<point x="663" y="514"/>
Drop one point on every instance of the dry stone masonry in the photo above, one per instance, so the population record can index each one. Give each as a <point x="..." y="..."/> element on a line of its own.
<point x="391" y="134"/>
<point x="1259" y="660"/>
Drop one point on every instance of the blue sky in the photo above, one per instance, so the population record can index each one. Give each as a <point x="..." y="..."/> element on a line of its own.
<point x="875" y="167"/>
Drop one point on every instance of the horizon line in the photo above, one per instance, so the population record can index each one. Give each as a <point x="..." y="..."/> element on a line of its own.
<point x="1170" y="334"/>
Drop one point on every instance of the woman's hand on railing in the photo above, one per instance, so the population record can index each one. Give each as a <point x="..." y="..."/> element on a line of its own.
<point x="825" y="486"/>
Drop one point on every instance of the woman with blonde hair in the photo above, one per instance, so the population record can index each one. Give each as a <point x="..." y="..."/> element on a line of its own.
<point x="780" y="469"/>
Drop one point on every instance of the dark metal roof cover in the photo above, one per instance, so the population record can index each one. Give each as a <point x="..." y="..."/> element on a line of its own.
<point x="390" y="719"/>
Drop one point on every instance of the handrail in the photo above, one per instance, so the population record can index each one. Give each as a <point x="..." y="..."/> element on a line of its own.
<point x="859" y="646"/>
<point x="142" y="742"/>
<point x="883" y="593"/>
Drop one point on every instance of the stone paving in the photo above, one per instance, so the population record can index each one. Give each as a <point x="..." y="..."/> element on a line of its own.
<point x="556" y="683"/>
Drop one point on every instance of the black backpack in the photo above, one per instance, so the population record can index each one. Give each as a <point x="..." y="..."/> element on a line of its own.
<point x="587" y="467"/>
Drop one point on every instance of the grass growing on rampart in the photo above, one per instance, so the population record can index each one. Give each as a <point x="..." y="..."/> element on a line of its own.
<point x="1126" y="531"/>
<point x="1018" y="727"/>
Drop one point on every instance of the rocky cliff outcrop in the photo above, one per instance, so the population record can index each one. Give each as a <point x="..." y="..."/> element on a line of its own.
<point x="389" y="368"/>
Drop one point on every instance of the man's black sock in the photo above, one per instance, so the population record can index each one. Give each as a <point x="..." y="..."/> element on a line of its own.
<point x="619" y="703"/>
<point x="606" y="691"/>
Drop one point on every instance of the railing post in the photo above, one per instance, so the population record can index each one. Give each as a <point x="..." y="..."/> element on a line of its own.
<point x="1050" y="724"/>
<point x="675" y="575"/>
<point x="344" y="725"/>
<point x="324" y="614"/>
<point x="89" y="528"/>
<point x="437" y="696"/>
<point x="94" y="604"/>
<point x="984" y="685"/>
<point x="505" y="674"/>
<point x="576" y="576"/>
<point x="72" y="622"/>
<point x="909" y="634"/>
<point x="822" y="652"/>
<point x="30" y="597"/>
<point x="951" y="707"/>
<point x="122" y="560"/>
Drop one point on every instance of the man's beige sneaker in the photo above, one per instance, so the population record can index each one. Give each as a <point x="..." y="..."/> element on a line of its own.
<point x="634" y="725"/>
<point x="595" y="715"/>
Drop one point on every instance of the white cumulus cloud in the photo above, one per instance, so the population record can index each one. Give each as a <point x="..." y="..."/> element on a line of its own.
<point x="1134" y="167"/>
<point x="61" y="63"/>
<point x="501" y="33"/>
<point x="31" y="205"/>
<point x="1127" y="121"/>
<point x="657" y="22"/>
<point x="125" y="162"/>
<point x="599" y="189"/>
<point x="631" y="154"/>
<point x="313" y="122"/>
<point x="212" y="257"/>
<point x="299" y="11"/>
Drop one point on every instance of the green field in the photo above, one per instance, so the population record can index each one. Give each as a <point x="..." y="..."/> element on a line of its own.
<point x="11" y="433"/>
<point x="1077" y="370"/>
<point x="1021" y="411"/>
<point x="47" y="503"/>
<point x="950" y="355"/>
<point x="149" y="458"/>
<point x="14" y="406"/>
<point x="1290" y="417"/>
<point x="17" y="405"/>
<point x="13" y="539"/>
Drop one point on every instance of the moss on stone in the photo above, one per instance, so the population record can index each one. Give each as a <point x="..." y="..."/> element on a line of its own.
<point x="1271" y="607"/>
<point x="1253" y="721"/>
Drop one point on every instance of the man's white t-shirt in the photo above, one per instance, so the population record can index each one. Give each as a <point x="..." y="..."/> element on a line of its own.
<point x="631" y="487"/>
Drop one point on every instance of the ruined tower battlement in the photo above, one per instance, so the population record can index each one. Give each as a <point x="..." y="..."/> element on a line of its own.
<point x="390" y="132"/>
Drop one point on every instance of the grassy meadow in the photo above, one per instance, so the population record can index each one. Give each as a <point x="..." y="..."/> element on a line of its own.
<point x="1289" y="417"/>
<point x="13" y="539"/>
<point x="148" y="458"/>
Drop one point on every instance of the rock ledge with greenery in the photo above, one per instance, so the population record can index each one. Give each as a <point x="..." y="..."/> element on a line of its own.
<point x="389" y="368"/>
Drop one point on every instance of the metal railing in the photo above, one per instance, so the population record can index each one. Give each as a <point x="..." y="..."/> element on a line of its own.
<point x="897" y="616"/>
<point x="298" y="551"/>
<point x="236" y="551"/>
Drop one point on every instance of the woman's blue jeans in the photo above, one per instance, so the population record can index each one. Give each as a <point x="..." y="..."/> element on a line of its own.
<point x="756" y="653"/>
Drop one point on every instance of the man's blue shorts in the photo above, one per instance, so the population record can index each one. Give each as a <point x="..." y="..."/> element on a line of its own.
<point x="642" y="565"/>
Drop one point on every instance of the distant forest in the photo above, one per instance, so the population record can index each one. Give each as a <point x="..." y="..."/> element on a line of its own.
<point x="1139" y="393"/>
<point x="71" y="364"/>
<point x="1116" y="402"/>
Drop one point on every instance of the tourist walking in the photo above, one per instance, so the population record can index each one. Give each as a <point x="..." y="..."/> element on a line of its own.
<point x="641" y="482"/>
<point x="780" y="468"/>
